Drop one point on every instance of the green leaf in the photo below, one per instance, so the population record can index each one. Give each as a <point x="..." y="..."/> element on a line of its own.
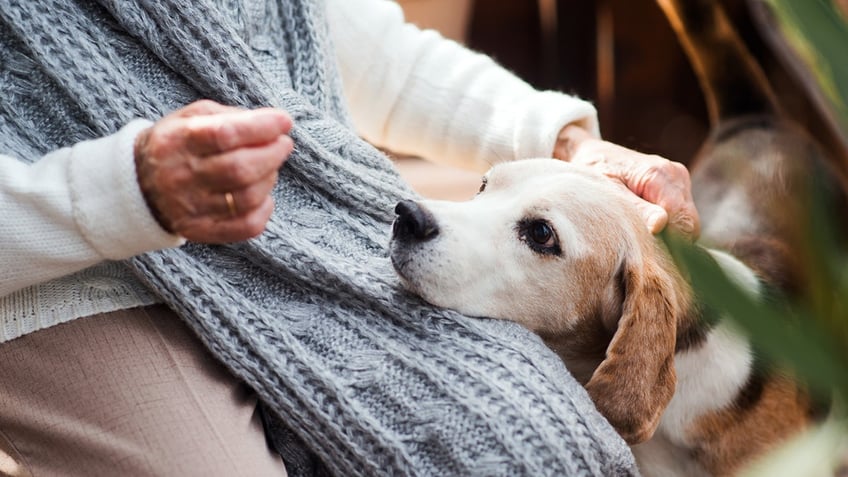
<point x="818" y="32"/>
<point x="792" y="335"/>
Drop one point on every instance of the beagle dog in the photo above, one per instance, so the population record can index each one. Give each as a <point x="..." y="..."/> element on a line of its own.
<point x="560" y="249"/>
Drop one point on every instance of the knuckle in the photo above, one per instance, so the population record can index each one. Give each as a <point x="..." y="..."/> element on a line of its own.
<point x="158" y="143"/>
<point x="254" y="224"/>
<point x="655" y="162"/>
<point x="238" y="171"/>
<point x="225" y="135"/>
<point x="170" y="142"/>
<point x="651" y="163"/>
<point x="285" y="145"/>
<point x="667" y="169"/>
<point x="199" y="108"/>
<point x="172" y="181"/>
<point x="678" y="169"/>
<point x="254" y="197"/>
<point x="256" y="221"/>
<point x="685" y="223"/>
<point x="203" y="104"/>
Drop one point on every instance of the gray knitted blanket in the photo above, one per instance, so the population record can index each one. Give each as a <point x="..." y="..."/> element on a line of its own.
<point x="356" y="376"/>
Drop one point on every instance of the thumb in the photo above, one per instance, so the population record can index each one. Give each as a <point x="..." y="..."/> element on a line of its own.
<point x="654" y="216"/>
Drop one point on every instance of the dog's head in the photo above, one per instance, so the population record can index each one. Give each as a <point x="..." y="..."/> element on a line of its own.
<point x="561" y="250"/>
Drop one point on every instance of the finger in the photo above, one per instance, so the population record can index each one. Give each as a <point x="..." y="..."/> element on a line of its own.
<point x="654" y="216"/>
<point x="685" y="221"/>
<point x="208" y="229"/>
<point x="221" y="205"/>
<point x="216" y="133"/>
<point x="244" y="166"/>
<point x="204" y="107"/>
<point x="245" y="201"/>
<point x="682" y="215"/>
<point x="667" y="184"/>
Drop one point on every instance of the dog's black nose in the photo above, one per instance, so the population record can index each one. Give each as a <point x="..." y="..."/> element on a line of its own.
<point x="414" y="222"/>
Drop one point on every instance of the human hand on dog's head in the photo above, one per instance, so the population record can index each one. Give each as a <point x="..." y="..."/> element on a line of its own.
<point x="662" y="190"/>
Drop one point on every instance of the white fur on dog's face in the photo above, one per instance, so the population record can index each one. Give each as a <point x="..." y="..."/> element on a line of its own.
<point x="492" y="255"/>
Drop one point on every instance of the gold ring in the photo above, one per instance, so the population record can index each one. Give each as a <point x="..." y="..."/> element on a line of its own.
<point x="231" y="204"/>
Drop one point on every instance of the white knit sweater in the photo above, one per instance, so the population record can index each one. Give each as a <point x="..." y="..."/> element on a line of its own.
<point x="65" y="216"/>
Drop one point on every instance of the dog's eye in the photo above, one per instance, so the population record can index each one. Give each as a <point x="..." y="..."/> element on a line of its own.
<point x="483" y="184"/>
<point x="541" y="233"/>
<point x="540" y="236"/>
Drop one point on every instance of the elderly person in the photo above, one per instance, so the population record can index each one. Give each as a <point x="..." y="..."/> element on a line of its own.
<point x="192" y="227"/>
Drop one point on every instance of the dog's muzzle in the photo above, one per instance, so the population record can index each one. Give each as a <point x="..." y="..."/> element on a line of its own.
<point x="414" y="223"/>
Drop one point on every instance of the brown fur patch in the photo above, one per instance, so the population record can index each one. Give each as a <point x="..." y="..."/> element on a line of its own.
<point x="728" y="439"/>
<point x="583" y="348"/>
<point x="636" y="381"/>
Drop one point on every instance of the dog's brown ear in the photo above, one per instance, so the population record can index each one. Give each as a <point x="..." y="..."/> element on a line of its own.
<point x="636" y="380"/>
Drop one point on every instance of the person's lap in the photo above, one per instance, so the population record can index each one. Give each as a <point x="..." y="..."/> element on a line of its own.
<point x="126" y="393"/>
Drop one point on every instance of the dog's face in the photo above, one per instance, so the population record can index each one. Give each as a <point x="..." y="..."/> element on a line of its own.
<point x="561" y="250"/>
<point x="541" y="244"/>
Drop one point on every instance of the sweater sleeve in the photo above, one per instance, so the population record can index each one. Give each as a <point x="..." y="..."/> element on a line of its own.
<point x="73" y="208"/>
<point x="414" y="92"/>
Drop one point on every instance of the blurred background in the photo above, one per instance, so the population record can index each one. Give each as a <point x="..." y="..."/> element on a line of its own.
<point x="622" y="56"/>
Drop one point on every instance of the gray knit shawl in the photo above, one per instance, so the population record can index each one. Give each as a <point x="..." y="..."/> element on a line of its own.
<point x="357" y="377"/>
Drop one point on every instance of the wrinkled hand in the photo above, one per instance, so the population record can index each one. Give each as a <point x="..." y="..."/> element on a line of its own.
<point x="662" y="188"/>
<point x="206" y="171"/>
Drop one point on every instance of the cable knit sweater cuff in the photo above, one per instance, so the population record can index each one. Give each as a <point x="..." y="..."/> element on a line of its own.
<point x="107" y="202"/>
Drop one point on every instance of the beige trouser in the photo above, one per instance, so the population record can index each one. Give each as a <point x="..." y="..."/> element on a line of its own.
<point x="130" y="393"/>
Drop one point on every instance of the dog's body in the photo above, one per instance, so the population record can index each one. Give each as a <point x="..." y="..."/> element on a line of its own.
<point x="561" y="250"/>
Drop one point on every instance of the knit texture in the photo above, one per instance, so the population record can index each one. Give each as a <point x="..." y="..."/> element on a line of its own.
<point x="357" y="377"/>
